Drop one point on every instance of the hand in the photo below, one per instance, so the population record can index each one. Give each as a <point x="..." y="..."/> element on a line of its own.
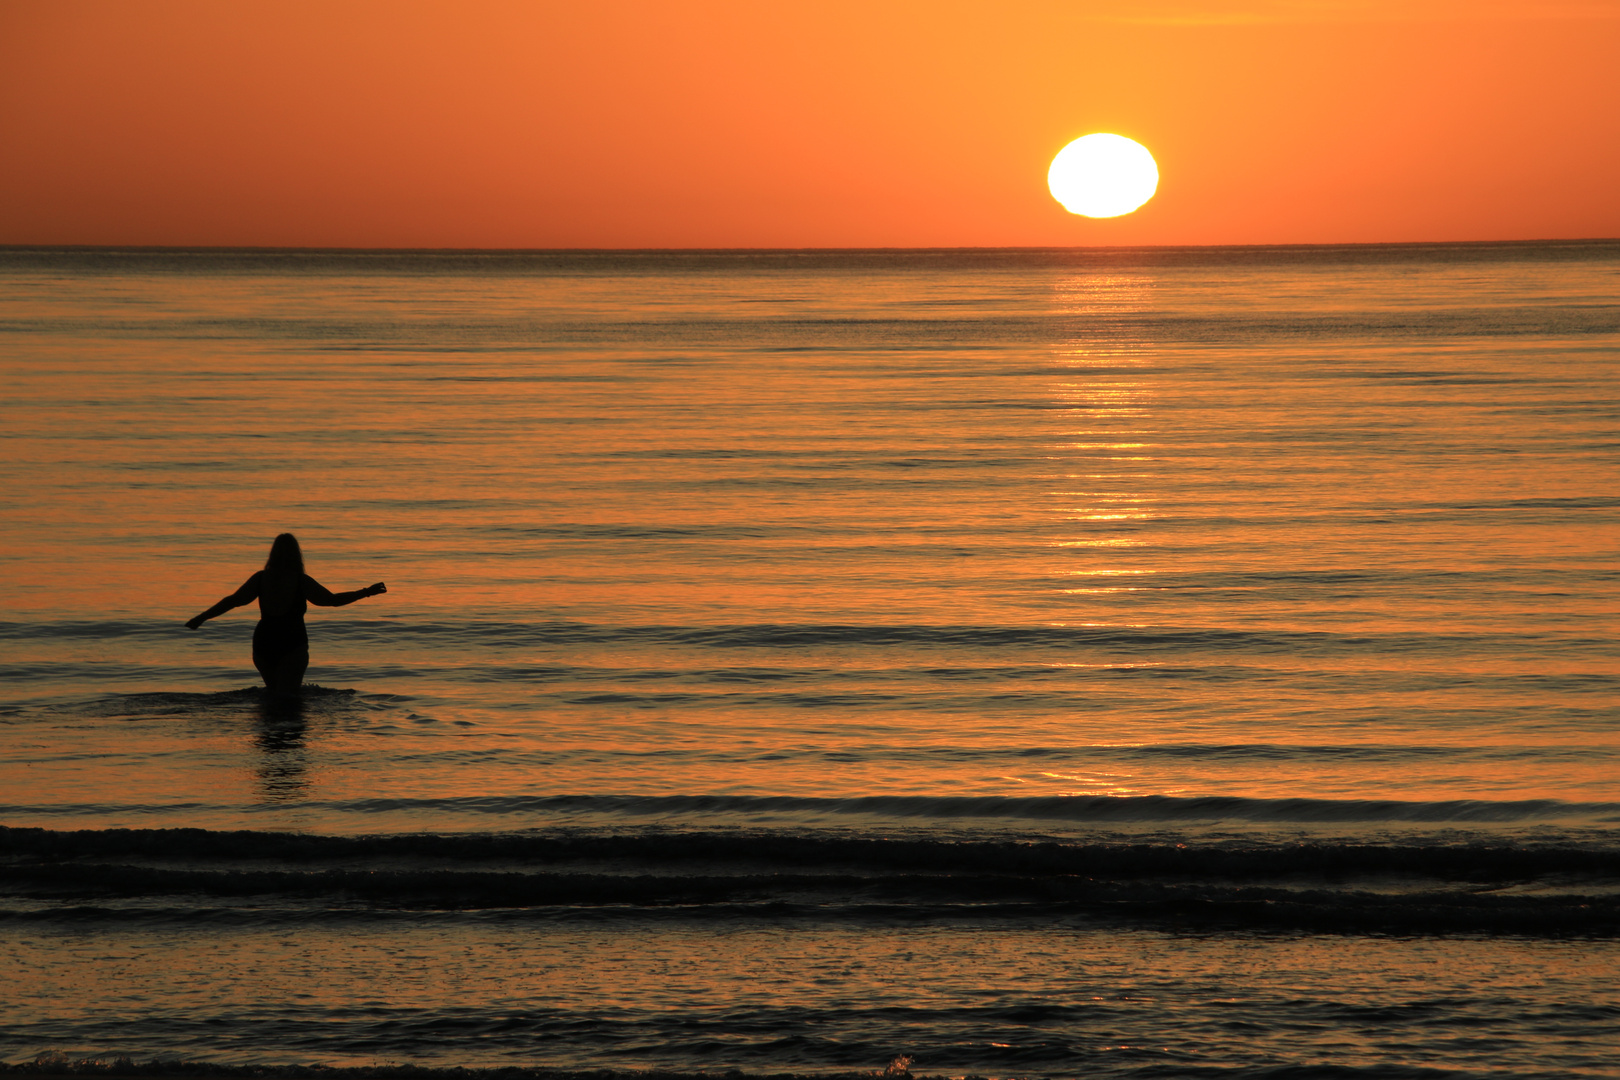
<point x="373" y="590"/>
<point x="194" y="622"/>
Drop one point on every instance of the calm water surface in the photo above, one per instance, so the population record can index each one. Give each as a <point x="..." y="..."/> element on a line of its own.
<point x="1014" y="573"/>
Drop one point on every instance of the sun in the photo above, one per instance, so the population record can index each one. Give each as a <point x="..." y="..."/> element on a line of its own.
<point x="1103" y="175"/>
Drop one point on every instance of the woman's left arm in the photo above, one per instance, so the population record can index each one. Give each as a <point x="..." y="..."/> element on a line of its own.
<point x="321" y="596"/>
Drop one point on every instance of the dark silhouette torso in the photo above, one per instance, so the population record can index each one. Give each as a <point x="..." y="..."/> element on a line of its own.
<point x="280" y="635"/>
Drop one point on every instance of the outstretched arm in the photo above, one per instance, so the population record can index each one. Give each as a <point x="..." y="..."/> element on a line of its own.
<point x="248" y="593"/>
<point x="321" y="596"/>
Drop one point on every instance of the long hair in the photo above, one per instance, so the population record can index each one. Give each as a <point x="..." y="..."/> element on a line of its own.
<point x="286" y="559"/>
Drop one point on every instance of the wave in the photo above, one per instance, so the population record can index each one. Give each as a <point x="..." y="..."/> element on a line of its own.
<point x="1246" y="857"/>
<point x="1122" y="639"/>
<point x="1334" y="887"/>
<point x="1079" y="809"/>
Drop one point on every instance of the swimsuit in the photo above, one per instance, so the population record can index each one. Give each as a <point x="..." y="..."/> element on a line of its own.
<point x="278" y="638"/>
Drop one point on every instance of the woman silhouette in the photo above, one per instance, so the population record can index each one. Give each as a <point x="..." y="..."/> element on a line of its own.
<point x="280" y="645"/>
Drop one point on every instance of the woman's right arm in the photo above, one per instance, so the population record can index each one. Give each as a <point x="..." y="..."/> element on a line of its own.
<point x="248" y="593"/>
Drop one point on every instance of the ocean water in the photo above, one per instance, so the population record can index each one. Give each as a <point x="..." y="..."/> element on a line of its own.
<point x="1163" y="662"/>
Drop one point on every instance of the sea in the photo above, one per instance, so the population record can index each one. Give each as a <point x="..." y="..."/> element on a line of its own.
<point x="1074" y="663"/>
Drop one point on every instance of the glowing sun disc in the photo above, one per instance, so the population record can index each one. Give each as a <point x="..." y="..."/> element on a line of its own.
<point x="1103" y="175"/>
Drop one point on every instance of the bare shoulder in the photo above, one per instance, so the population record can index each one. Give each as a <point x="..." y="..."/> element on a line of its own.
<point x="314" y="589"/>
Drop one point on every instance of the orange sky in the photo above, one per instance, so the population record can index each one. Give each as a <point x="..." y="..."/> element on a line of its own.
<point x="725" y="123"/>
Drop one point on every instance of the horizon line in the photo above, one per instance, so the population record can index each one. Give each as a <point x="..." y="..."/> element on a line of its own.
<point x="958" y="249"/>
